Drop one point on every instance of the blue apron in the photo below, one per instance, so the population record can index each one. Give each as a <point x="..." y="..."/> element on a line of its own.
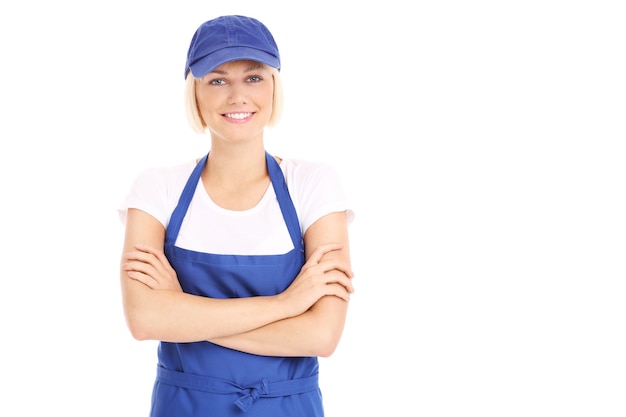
<point x="204" y="379"/>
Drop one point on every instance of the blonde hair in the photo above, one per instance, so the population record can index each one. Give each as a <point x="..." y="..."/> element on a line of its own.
<point x="195" y="119"/>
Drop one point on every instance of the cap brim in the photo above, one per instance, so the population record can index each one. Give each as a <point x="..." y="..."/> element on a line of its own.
<point x="209" y="62"/>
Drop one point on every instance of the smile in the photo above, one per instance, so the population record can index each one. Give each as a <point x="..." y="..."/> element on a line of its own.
<point x="239" y="116"/>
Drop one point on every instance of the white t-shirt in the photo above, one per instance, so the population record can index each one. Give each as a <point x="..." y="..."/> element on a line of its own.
<point x="315" y="189"/>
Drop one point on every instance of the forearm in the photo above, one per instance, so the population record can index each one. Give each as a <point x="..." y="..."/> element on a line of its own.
<point x="179" y="317"/>
<point x="156" y="308"/>
<point x="314" y="333"/>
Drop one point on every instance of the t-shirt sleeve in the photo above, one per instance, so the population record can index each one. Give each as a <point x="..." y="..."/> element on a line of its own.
<point x="320" y="191"/>
<point x="148" y="193"/>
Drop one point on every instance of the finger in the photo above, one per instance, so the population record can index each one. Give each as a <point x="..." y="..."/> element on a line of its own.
<point x="164" y="262"/>
<point x="338" y="291"/>
<point x="148" y="256"/>
<point x="147" y="249"/>
<point x="139" y="256"/>
<point x="322" y="250"/>
<point x="143" y="278"/>
<point x="339" y="278"/>
<point x="143" y="252"/>
<point x="337" y="264"/>
<point x="158" y="255"/>
<point x="141" y="267"/>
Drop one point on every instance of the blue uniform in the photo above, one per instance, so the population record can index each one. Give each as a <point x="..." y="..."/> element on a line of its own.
<point x="204" y="379"/>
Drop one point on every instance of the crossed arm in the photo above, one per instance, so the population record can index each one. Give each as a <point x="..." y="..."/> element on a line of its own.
<point x="307" y="319"/>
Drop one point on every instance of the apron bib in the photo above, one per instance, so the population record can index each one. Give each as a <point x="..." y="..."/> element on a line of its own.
<point x="204" y="379"/>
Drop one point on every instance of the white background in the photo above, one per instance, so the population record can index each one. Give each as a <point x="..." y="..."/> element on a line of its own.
<point x="481" y="144"/>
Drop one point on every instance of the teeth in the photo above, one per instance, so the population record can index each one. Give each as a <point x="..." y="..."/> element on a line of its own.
<point x="238" y="115"/>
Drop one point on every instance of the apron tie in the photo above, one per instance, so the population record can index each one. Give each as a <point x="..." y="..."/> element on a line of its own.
<point x="263" y="388"/>
<point x="245" y="402"/>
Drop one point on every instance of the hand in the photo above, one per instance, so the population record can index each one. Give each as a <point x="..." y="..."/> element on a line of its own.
<point x="319" y="278"/>
<point x="150" y="267"/>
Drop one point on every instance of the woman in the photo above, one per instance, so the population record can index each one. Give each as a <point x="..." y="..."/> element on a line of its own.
<point x="238" y="262"/>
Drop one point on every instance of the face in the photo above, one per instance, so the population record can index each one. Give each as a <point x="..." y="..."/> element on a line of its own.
<point x="235" y="100"/>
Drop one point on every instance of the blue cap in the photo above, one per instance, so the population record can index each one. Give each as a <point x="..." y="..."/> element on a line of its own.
<point x="230" y="38"/>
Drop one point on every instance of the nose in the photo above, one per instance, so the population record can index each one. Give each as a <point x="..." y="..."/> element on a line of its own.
<point x="237" y="94"/>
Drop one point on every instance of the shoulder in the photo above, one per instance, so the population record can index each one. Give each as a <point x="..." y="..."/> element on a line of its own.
<point x="171" y="172"/>
<point x="156" y="190"/>
<point x="316" y="189"/>
<point x="302" y="172"/>
<point x="166" y="178"/>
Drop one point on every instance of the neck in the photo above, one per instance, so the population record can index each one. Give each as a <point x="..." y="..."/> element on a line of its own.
<point x="235" y="165"/>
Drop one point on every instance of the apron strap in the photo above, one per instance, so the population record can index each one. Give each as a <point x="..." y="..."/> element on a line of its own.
<point x="280" y="189"/>
<point x="285" y="202"/>
<point x="176" y="220"/>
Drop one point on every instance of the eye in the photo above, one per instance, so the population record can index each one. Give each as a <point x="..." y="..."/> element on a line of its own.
<point x="217" y="81"/>
<point x="254" y="79"/>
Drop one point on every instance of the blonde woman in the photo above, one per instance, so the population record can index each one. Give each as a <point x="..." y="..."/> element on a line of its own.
<point x="237" y="262"/>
